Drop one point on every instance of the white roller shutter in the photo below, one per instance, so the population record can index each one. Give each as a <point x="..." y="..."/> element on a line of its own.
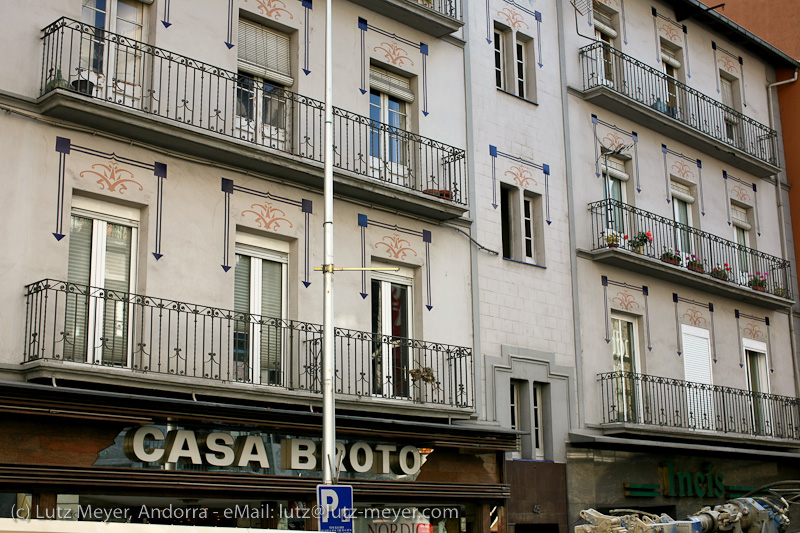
<point x="697" y="369"/>
<point x="265" y="53"/>
<point x="616" y="168"/>
<point x="682" y="192"/>
<point x="603" y="24"/>
<point x="669" y="57"/>
<point x="391" y="84"/>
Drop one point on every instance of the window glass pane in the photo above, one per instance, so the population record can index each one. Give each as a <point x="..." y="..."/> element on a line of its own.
<point x="399" y="349"/>
<point x="375" y="130"/>
<point x="241" y="324"/>
<point x="93" y="12"/>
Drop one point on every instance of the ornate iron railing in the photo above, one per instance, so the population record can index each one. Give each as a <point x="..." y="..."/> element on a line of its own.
<point x="605" y="66"/>
<point x="672" y="403"/>
<point x="617" y="225"/>
<point x="81" y="58"/>
<point x="94" y="327"/>
<point x="448" y="8"/>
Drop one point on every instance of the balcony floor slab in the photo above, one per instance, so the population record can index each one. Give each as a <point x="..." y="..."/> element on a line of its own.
<point x="648" y="117"/>
<point x="653" y="267"/>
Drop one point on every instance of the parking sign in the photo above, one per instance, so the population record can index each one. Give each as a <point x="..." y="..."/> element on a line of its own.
<point x="335" y="503"/>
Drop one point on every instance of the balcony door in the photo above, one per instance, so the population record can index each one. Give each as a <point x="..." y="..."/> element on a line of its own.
<point x="605" y="33"/>
<point x="389" y="146"/>
<point x="391" y="329"/>
<point x="112" y="67"/>
<point x="700" y="412"/>
<point x="682" y="200"/>
<point x="625" y="353"/>
<point x="615" y="189"/>
<point x="263" y="105"/>
<point x="101" y="271"/>
<point x="259" y="305"/>
<point x="758" y="384"/>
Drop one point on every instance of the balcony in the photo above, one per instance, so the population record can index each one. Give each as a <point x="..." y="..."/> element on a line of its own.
<point x="630" y="399"/>
<point x="89" y="333"/>
<point x="630" y="88"/>
<point x="687" y="255"/>
<point x="172" y="101"/>
<point x="434" y="17"/>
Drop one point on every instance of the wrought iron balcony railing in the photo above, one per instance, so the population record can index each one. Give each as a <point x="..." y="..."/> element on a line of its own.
<point x="448" y="8"/>
<point x="617" y="225"/>
<point x="105" y="66"/>
<point x="605" y="66"/>
<point x="633" y="398"/>
<point x="92" y="327"/>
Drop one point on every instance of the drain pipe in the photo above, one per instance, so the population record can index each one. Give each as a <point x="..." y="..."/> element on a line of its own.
<point x="573" y="257"/>
<point x="782" y="231"/>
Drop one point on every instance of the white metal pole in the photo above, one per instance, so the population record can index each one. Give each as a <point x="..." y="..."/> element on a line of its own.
<point x="328" y="360"/>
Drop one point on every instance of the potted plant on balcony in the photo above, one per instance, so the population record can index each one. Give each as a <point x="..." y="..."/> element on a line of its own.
<point x="694" y="263"/>
<point x="54" y="82"/>
<point x="758" y="282"/>
<point x="424" y="374"/>
<point x="612" y="239"/>
<point x="640" y="240"/>
<point x="721" y="272"/>
<point x="673" y="257"/>
<point x="780" y="291"/>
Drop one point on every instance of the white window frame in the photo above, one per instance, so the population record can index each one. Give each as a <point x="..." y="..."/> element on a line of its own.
<point x="750" y="345"/>
<point x="101" y="214"/>
<point x="403" y="277"/>
<point x="394" y="171"/>
<point x="606" y="34"/>
<point x="520" y="66"/>
<point x="537" y="421"/>
<point x="687" y="199"/>
<point x="528" y="229"/>
<point x="128" y="91"/>
<point x="263" y="249"/>
<point x="499" y="60"/>
<point x="634" y="346"/>
<point x="729" y="99"/>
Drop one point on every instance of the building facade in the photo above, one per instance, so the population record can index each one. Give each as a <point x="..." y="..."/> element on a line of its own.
<point x="161" y="338"/>
<point x="584" y="202"/>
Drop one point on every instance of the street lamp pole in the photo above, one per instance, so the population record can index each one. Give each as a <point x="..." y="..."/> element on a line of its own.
<point x="328" y="360"/>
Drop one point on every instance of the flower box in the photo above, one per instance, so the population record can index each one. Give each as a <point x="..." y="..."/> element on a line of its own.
<point x="695" y="268"/>
<point x="671" y="260"/>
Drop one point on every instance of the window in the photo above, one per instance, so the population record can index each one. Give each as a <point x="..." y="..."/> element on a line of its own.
<point x="111" y="61"/>
<point x="391" y="327"/>
<point x="499" y="58"/>
<point x="388" y="144"/>
<point x="625" y="354"/>
<point x="728" y="88"/>
<point x="259" y="303"/>
<point x="758" y="384"/>
<point x="514" y="63"/>
<point x="536" y="430"/>
<point x="263" y="105"/>
<point x="615" y="189"/>
<point x="682" y="199"/>
<point x="102" y="253"/>
<point x="516" y="412"/>
<point x="605" y="32"/>
<point x="697" y="370"/>
<point x="668" y="101"/>
<point x="522" y="232"/>
<point x="527" y="415"/>
<point x="741" y="234"/>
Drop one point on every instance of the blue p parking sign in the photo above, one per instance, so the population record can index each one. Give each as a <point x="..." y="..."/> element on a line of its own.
<point x="335" y="504"/>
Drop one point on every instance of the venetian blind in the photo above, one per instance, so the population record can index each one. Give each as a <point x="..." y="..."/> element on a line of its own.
<point x="79" y="268"/>
<point x="265" y="53"/>
<point x="271" y="306"/>
<point x="697" y="369"/>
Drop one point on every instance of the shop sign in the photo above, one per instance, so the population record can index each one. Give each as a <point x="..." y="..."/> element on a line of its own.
<point x="681" y="484"/>
<point x="149" y="444"/>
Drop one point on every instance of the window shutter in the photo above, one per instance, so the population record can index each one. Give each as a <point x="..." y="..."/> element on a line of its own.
<point x="79" y="269"/>
<point x="241" y="284"/>
<point x="681" y="192"/>
<point x="669" y="57"/>
<point x="271" y="307"/>
<point x="80" y="250"/>
<point x="265" y="53"/>
<point x="726" y="88"/>
<point x="739" y="218"/>
<point x="697" y="369"/>
<point x="604" y="25"/>
<point x="391" y="84"/>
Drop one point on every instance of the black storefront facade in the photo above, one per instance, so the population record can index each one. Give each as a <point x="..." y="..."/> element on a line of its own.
<point x="71" y="453"/>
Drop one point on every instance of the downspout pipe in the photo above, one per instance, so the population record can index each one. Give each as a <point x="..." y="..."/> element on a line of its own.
<point x="782" y="230"/>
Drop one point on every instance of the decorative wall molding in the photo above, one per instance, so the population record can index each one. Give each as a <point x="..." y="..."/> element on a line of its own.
<point x="683" y="171"/>
<point x="729" y="65"/>
<point x="626" y="301"/>
<point x="671" y="30"/>
<point x="364" y="26"/>
<point x="740" y="191"/>
<point x="397" y="248"/>
<point x="267" y="217"/>
<point x="515" y="20"/>
<point x="112" y="179"/>
<point x="753" y="331"/>
<point x="545" y="168"/>
<point x="615" y="142"/>
<point x="695" y="318"/>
